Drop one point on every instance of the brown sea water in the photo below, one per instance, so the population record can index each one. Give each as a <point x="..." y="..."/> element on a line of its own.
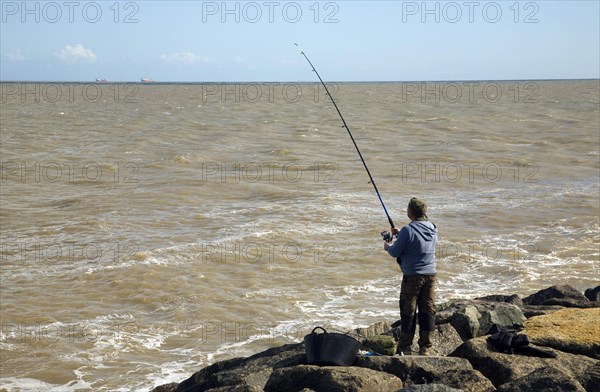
<point x="150" y="230"/>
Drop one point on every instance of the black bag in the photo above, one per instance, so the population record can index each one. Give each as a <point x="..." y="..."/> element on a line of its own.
<point x="330" y="348"/>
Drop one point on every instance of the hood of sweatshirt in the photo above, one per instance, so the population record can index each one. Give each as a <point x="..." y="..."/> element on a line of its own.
<point x="426" y="230"/>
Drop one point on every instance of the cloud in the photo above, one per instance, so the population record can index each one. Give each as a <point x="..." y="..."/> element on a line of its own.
<point x="76" y="54"/>
<point x="186" y="58"/>
<point x="16" y="55"/>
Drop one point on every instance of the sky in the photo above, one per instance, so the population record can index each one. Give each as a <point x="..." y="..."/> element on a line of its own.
<point x="253" y="41"/>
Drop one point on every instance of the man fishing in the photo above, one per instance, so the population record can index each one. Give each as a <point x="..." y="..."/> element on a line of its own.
<point x="414" y="250"/>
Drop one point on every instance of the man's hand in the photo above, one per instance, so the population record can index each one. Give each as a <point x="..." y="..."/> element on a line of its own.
<point x="386" y="246"/>
<point x="395" y="230"/>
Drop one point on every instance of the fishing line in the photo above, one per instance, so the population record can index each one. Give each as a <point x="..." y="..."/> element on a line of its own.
<point x="351" y="137"/>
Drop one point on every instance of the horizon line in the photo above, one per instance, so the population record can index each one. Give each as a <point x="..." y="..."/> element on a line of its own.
<point x="299" y="81"/>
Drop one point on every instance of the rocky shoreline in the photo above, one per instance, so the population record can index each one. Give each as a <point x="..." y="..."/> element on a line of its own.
<point x="562" y="327"/>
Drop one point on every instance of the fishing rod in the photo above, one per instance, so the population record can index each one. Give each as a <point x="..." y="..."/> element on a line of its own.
<point x="387" y="236"/>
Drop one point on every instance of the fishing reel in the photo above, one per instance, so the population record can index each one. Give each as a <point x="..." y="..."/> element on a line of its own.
<point x="387" y="236"/>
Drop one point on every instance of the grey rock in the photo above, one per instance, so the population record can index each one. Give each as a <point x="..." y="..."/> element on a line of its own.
<point x="445" y="340"/>
<point x="562" y="295"/>
<point x="412" y="369"/>
<point x="429" y="388"/>
<point x="466" y="322"/>
<point x="502" y="368"/>
<point x="472" y="318"/>
<point x="593" y="294"/>
<point x="331" y="379"/>
<point x="245" y="374"/>
<point x="591" y="378"/>
<point x="543" y="379"/>
<point x="514" y="299"/>
<point x="171" y="387"/>
<point x="233" y="388"/>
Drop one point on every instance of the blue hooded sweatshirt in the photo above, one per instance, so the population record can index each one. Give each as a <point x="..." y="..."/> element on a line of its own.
<point x="414" y="249"/>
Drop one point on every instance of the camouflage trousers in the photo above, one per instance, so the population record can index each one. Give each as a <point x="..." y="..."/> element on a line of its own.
<point x="417" y="292"/>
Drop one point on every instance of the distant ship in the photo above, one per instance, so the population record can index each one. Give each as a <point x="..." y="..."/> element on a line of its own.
<point x="147" y="80"/>
<point x="101" y="80"/>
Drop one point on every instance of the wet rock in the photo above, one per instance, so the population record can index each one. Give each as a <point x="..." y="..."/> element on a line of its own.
<point x="593" y="294"/>
<point x="562" y="295"/>
<point x="543" y="379"/>
<point x="475" y="318"/>
<point x="571" y="330"/>
<point x="429" y="388"/>
<point x="166" y="387"/>
<point x="501" y="368"/>
<point x="412" y="369"/>
<point x="245" y="373"/>
<point x="514" y="299"/>
<point x="331" y="378"/>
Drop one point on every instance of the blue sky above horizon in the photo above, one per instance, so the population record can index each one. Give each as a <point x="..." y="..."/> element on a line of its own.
<point x="209" y="41"/>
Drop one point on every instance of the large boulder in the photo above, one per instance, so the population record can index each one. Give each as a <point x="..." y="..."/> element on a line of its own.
<point x="331" y="379"/>
<point x="250" y="373"/>
<point x="593" y="294"/>
<point x="171" y="387"/>
<point x="562" y="295"/>
<point x="501" y="368"/>
<point x="413" y="370"/>
<point x="543" y="379"/>
<point x="473" y="318"/>
<point x="571" y="330"/>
